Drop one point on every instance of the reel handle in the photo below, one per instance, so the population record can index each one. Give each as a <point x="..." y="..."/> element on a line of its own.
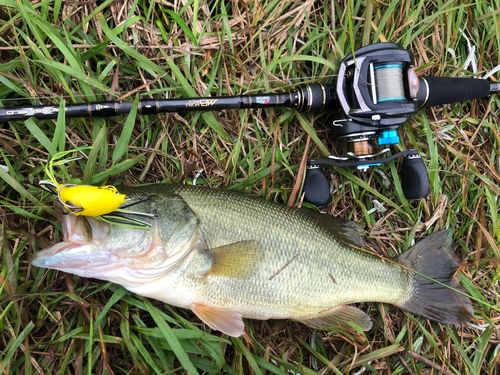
<point x="316" y="187"/>
<point x="414" y="178"/>
<point x="445" y="90"/>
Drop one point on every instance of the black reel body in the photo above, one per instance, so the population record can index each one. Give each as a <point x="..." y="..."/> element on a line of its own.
<point x="377" y="86"/>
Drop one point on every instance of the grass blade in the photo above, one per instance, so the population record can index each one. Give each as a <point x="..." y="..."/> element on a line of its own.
<point x="183" y="25"/>
<point x="251" y="360"/>
<point x="171" y="339"/>
<point x="124" y="140"/>
<point x="40" y="136"/>
<point x="12" y="347"/>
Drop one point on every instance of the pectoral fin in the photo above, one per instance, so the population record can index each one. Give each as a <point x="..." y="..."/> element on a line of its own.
<point x="226" y="321"/>
<point x="340" y="315"/>
<point x="236" y="260"/>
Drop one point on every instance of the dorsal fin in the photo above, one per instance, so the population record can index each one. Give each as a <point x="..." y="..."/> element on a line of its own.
<point x="340" y="315"/>
<point x="237" y="259"/>
<point x="345" y="230"/>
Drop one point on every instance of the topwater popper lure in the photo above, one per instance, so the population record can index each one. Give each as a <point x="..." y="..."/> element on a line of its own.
<point x="101" y="202"/>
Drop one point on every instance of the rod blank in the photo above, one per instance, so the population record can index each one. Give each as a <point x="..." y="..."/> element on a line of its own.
<point x="305" y="98"/>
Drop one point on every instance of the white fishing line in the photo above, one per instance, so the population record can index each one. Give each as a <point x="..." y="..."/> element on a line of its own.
<point x="389" y="82"/>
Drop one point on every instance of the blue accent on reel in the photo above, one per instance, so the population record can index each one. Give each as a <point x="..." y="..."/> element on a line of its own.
<point x="389" y="66"/>
<point x="384" y="100"/>
<point x="361" y="167"/>
<point x="388" y="137"/>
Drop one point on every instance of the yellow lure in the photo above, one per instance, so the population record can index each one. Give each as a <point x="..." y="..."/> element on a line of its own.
<point x="101" y="202"/>
<point x="90" y="200"/>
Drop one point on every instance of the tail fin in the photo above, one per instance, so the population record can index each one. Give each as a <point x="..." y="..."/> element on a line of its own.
<point x="434" y="257"/>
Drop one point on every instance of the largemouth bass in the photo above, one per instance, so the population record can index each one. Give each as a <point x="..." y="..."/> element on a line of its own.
<point x="227" y="256"/>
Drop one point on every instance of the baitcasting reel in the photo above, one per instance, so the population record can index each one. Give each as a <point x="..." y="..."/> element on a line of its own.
<point x="378" y="91"/>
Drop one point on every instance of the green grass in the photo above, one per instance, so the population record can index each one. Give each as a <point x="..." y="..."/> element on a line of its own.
<point x="53" y="323"/>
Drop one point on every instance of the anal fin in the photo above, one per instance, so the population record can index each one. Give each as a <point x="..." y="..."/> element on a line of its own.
<point x="236" y="260"/>
<point x="340" y="315"/>
<point x="224" y="320"/>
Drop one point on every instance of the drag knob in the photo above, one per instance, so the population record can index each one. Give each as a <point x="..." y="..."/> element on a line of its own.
<point x="414" y="178"/>
<point x="316" y="187"/>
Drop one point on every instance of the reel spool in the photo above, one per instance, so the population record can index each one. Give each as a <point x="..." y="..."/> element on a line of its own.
<point x="388" y="85"/>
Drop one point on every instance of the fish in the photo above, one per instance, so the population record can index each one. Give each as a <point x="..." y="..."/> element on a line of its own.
<point x="227" y="255"/>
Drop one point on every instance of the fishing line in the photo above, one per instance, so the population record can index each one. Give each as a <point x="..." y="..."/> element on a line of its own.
<point x="392" y="87"/>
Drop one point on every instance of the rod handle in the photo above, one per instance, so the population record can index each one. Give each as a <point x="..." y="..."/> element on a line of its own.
<point x="445" y="90"/>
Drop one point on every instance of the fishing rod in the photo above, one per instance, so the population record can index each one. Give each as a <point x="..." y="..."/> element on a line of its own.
<point x="314" y="97"/>
<point x="377" y="91"/>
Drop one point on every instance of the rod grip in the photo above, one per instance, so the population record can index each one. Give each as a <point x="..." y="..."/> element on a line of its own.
<point x="445" y="90"/>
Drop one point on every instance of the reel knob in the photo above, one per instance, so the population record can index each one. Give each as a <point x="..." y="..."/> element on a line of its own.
<point x="414" y="177"/>
<point x="316" y="187"/>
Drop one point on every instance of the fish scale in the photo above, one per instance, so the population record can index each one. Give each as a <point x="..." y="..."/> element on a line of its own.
<point x="227" y="255"/>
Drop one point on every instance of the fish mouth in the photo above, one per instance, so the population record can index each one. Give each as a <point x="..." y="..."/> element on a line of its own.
<point x="88" y="250"/>
<point x="81" y="260"/>
<point x="79" y="252"/>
